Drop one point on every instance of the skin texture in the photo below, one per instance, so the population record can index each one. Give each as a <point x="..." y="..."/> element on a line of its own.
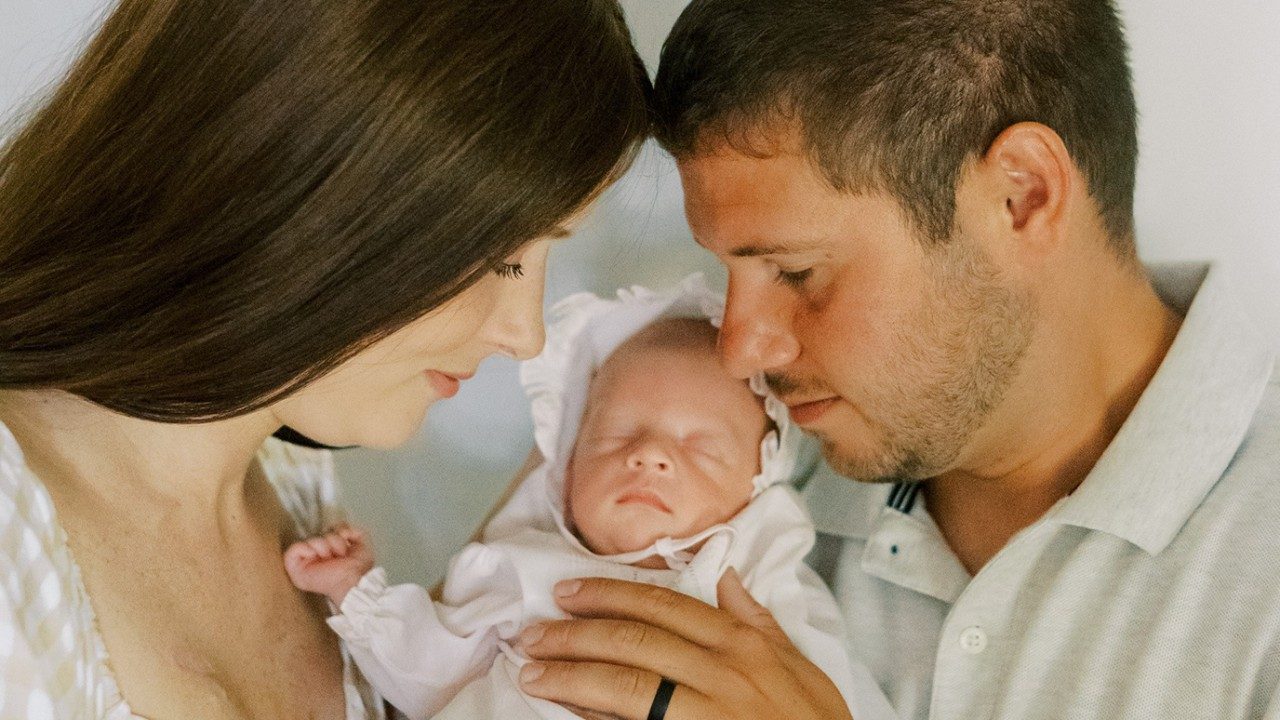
<point x="178" y="534"/>
<point x="997" y="366"/>
<point x="689" y="443"/>
<point x="668" y="445"/>
<point x="380" y="397"/>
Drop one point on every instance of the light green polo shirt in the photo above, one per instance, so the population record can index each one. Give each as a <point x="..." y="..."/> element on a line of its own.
<point x="1152" y="591"/>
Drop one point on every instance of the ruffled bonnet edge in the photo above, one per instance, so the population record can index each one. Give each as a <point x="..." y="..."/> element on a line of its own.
<point x="583" y="330"/>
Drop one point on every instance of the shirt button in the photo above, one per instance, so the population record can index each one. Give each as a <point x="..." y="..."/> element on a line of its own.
<point x="973" y="640"/>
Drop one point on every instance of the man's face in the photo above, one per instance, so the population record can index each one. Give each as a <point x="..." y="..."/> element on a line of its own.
<point x="893" y="353"/>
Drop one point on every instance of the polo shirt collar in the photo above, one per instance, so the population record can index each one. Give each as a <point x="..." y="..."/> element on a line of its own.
<point x="1170" y="451"/>
<point x="1188" y="423"/>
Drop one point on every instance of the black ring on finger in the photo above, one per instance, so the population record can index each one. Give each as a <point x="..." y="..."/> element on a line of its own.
<point x="658" y="710"/>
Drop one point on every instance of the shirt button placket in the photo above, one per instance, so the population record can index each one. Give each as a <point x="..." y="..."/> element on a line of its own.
<point x="973" y="640"/>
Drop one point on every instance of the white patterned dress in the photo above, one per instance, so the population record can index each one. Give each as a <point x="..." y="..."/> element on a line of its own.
<point x="52" y="660"/>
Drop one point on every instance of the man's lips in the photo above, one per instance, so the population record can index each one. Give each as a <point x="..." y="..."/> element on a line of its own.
<point x="643" y="497"/>
<point x="810" y="411"/>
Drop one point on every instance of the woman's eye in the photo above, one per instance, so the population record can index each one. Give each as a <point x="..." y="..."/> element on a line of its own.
<point x="793" y="278"/>
<point x="510" y="271"/>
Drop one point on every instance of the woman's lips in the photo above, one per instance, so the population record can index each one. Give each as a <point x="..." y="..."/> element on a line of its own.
<point x="644" y="498"/>
<point x="810" y="412"/>
<point x="446" y="386"/>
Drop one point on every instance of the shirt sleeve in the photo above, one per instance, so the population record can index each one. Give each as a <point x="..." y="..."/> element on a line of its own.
<point x="418" y="653"/>
<point x="24" y="690"/>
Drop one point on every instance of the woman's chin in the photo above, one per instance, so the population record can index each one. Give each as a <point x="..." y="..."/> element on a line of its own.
<point x="384" y="431"/>
<point x="390" y="437"/>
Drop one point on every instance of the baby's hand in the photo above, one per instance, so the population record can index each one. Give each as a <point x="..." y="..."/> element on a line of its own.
<point x="330" y="564"/>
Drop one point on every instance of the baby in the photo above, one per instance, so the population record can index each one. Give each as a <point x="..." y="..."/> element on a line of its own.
<point x="659" y="468"/>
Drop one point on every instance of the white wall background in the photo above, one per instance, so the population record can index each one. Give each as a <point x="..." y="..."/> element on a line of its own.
<point x="1208" y="82"/>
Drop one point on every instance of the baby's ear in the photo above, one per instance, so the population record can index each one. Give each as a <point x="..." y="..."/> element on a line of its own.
<point x="568" y="489"/>
<point x="769" y="423"/>
<point x="569" y="523"/>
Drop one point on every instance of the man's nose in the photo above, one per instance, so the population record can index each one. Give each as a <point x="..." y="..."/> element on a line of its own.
<point x="756" y="336"/>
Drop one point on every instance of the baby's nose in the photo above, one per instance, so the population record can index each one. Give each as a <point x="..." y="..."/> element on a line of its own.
<point x="649" y="458"/>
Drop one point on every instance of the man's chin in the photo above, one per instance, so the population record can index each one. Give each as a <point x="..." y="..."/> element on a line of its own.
<point x="864" y="468"/>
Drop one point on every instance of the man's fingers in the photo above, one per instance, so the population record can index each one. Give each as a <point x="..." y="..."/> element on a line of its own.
<point x="674" y="612"/>
<point x="620" y="642"/>
<point x="734" y="599"/>
<point x="604" y="688"/>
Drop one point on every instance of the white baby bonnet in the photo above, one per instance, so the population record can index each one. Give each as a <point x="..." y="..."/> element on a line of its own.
<point x="582" y="331"/>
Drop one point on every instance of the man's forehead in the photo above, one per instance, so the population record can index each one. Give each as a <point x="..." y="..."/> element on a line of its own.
<point x="744" y="206"/>
<point x="725" y="170"/>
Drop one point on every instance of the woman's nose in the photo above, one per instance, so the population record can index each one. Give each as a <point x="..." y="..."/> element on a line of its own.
<point x="516" y="327"/>
<point x="523" y="338"/>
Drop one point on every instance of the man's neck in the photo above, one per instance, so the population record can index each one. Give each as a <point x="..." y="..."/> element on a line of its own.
<point x="1077" y="386"/>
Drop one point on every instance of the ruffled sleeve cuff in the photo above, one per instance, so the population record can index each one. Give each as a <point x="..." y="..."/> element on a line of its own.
<point x="360" y="605"/>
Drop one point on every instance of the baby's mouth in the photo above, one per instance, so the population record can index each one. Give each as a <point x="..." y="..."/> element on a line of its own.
<point x="644" y="497"/>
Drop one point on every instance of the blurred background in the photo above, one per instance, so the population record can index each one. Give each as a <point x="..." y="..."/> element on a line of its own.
<point x="1208" y="84"/>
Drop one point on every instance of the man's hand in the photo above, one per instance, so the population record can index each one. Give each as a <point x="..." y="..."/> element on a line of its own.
<point x="330" y="564"/>
<point x="732" y="662"/>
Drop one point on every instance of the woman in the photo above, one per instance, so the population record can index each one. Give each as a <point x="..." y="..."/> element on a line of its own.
<point x="242" y="215"/>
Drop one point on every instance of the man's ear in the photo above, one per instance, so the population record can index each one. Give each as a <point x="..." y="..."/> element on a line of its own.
<point x="1034" y="174"/>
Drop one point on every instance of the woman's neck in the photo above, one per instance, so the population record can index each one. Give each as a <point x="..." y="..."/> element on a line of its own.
<point x="105" y="458"/>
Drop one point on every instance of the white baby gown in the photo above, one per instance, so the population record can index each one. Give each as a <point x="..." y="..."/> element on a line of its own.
<point x="455" y="659"/>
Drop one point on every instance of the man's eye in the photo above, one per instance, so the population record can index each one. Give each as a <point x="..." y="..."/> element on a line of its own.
<point x="510" y="271"/>
<point x="793" y="279"/>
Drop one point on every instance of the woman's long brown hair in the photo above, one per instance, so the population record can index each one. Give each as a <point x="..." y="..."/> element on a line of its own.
<point x="224" y="200"/>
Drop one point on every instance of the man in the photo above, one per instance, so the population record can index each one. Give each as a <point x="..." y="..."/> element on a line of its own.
<point x="1059" y="493"/>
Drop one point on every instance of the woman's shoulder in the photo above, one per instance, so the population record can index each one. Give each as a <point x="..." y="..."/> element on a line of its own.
<point x="50" y="655"/>
<point x="305" y="480"/>
<point x="29" y="533"/>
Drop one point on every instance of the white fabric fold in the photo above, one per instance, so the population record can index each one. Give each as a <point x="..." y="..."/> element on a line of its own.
<point x="583" y="330"/>
<point x="458" y="660"/>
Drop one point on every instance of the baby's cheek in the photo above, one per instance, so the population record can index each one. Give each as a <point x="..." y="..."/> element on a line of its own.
<point x="709" y="509"/>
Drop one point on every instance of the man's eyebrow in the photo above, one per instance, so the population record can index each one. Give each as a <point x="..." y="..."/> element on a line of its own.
<point x="558" y="233"/>
<point x="747" y="251"/>
<point x="760" y="248"/>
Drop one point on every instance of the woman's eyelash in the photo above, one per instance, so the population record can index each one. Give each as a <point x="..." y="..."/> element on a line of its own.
<point x="510" y="271"/>
<point x="793" y="279"/>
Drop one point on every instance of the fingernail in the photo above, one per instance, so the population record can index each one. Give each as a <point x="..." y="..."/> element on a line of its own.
<point x="567" y="588"/>
<point x="531" y="672"/>
<point x="532" y="634"/>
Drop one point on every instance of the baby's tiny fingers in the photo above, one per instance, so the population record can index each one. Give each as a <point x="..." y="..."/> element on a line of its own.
<point x="321" y="548"/>
<point x="337" y="544"/>
<point x="299" y="552"/>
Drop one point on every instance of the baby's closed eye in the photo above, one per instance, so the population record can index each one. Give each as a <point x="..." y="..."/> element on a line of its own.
<point x="708" y="446"/>
<point x="604" y="443"/>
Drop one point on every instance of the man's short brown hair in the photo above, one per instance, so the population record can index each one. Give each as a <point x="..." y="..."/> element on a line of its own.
<point x="896" y="95"/>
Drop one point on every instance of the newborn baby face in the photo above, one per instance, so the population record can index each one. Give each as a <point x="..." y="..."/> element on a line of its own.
<point x="669" y="442"/>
